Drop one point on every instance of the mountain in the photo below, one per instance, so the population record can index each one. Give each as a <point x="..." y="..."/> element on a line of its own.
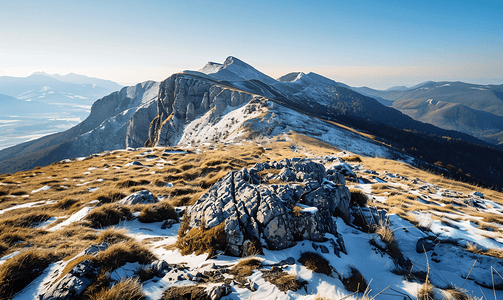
<point x="475" y="115"/>
<point x="232" y="102"/>
<point x="46" y="89"/>
<point x="116" y="121"/>
<point x="453" y="116"/>
<point x="82" y="79"/>
<point x="13" y="106"/>
<point x="47" y="104"/>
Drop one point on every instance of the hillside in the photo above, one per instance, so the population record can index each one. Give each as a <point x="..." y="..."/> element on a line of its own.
<point x="51" y="217"/>
<point x="469" y="108"/>
<point x="454" y="116"/>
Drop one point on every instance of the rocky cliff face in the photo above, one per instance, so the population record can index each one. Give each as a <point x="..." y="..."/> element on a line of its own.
<point x="182" y="97"/>
<point x="125" y="117"/>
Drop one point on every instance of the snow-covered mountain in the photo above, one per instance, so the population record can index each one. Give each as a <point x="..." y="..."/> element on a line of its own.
<point x="233" y="101"/>
<point x="44" y="104"/>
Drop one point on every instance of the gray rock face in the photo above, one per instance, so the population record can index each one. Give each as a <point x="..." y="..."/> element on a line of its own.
<point x="124" y="118"/>
<point x="140" y="197"/>
<point x="77" y="280"/>
<point x="73" y="284"/>
<point x="181" y="98"/>
<point x="253" y="208"/>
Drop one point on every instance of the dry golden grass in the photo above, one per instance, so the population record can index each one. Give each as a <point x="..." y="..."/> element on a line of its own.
<point x="296" y="211"/>
<point x="352" y="158"/>
<point x="108" y="214"/>
<point x="18" y="271"/>
<point x="191" y="292"/>
<point x="129" y="288"/>
<point x="158" y="212"/>
<point x="358" y="197"/>
<point x="381" y="165"/>
<point x="426" y="291"/>
<point x="456" y="293"/>
<point x="283" y="281"/>
<point x="497" y="253"/>
<point x="315" y="262"/>
<point x="355" y="282"/>
<point x="201" y="241"/>
<point x="245" y="267"/>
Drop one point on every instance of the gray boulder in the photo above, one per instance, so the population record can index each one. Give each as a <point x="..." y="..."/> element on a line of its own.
<point x="73" y="284"/>
<point x="252" y="208"/>
<point x="140" y="197"/>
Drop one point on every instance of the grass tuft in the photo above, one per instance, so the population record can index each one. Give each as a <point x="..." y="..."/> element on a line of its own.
<point x="107" y="214"/>
<point x="315" y="262"/>
<point x="129" y="288"/>
<point x="358" y="197"/>
<point x="187" y="292"/>
<point x="283" y="281"/>
<point x="17" y="272"/>
<point x="426" y="291"/>
<point x="355" y="282"/>
<point x="352" y="158"/>
<point x="157" y="213"/>
<point x="203" y="240"/>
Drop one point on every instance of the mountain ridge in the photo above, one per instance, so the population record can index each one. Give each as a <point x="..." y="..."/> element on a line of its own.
<point x="191" y="97"/>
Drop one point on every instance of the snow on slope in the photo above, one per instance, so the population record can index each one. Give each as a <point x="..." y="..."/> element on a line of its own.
<point x="111" y="133"/>
<point x="270" y="120"/>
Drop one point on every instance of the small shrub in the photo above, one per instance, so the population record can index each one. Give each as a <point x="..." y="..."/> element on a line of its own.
<point x="352" y="158"/>
<point x="109" y="197"/>
<point x="119" y="254"/>
<point x="355" y="282"/>
<point x="130" y="183"/>
<point x="245" y="267"/>
<point x="283" y="281"/>
<point x="113" y="235"/>
<point x="426" y="291"/>
<point x="17" y="272"/>
<point x="65" y="203"/>
<point x="203" y="240"/>
<point x="315" y="262"/>
<point x="358" y="197"/>
<point x="27" y="219"/>
<point x="296" y="211"/>
<point x="184" y="226"/>
<point x="157" y="213"/>
<point x="387" y="236"/>
<point x="129" y="288"/>
<point x="254" y="248"/>
<point x="107" y="214"/>
<point x="187" y="292"/>
<point x="3" y="247"/>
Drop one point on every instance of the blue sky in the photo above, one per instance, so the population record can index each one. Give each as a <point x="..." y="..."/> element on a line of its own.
<point x="373" y="43"/>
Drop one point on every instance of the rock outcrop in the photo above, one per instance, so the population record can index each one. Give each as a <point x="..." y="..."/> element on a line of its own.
<point x="182" y="97"/>
<point x="140" y="197"/>
<point x="280" y="202"/>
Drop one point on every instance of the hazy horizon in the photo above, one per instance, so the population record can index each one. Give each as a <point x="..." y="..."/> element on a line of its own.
<point x="359" y="43"/>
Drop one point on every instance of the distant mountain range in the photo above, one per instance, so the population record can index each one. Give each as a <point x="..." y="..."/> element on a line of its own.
<point x="470" y="108"/>
<point x="41" y="104"/>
